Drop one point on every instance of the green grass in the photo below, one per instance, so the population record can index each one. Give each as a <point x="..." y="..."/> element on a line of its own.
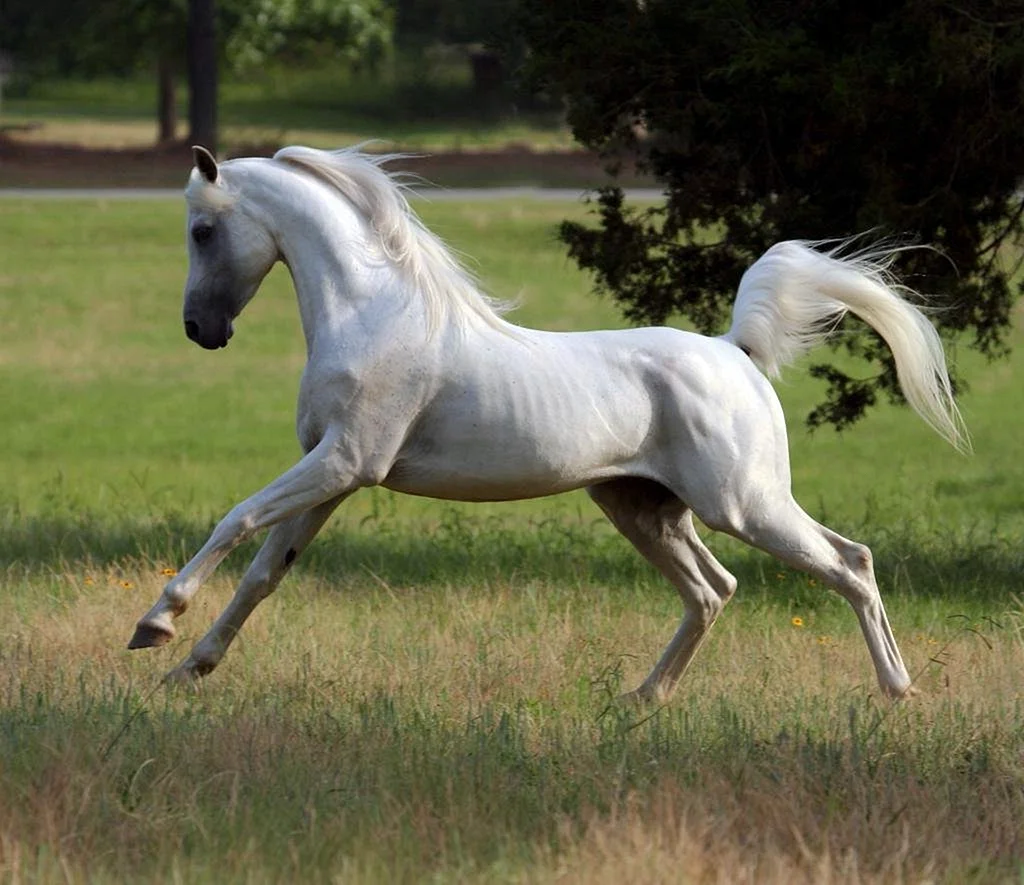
<point x="427" y="697"/>
<point x="433" y="110"/>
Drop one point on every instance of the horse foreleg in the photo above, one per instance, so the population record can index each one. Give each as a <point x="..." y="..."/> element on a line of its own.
<point x="660" y="526"/>
<point x="283" y="545"/>
<point x="319" y="477"/>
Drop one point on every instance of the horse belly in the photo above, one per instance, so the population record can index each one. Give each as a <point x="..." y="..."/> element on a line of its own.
<point x="491" y="485"/>
<point x="508" y="466"/>
<point x="568" y="412"/>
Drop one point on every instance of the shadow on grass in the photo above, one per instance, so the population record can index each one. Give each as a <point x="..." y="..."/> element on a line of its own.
<point x="977" y="565"/>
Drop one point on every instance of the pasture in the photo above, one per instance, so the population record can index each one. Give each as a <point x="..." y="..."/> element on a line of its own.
<point x="426" y="698"/>
<point x="435" y="110"/>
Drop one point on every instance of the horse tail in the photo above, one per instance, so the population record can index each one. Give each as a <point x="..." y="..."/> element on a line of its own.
<point x="794" y="296"/>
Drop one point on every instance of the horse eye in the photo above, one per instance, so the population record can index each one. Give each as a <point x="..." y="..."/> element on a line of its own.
<point x="201" y="233"/>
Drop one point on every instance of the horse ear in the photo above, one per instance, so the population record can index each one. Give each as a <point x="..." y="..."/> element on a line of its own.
<point x="205" y="162"/>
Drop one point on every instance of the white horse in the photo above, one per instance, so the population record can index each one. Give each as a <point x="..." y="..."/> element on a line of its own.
<point x="414" y="382"/>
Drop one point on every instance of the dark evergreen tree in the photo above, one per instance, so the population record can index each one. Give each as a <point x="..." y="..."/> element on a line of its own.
<point x="788" y="119"/>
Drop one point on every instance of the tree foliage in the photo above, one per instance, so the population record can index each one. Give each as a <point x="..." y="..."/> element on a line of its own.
<point x="356" y="32"/>
<point x="122" y="36"/>
<point x="778" y="119"/>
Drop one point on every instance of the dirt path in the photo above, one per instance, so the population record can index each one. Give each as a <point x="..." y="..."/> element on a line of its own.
<point x="35" y="165"/>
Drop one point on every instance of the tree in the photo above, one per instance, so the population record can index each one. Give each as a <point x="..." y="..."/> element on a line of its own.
<point x="480" y="25"/>
<point x="119" y="37"/>
<point x="796" y="119"/>
<point x="201" y="40"/>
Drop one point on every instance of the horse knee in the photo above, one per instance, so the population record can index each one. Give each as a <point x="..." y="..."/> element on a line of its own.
<point x="238" y="526"/>
<point x="243" y="525"/>
<point x="260" y="580"/>
<point x="266" y="573"/>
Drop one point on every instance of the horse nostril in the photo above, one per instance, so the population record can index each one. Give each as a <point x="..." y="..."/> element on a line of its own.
<point x="192" y="330"/>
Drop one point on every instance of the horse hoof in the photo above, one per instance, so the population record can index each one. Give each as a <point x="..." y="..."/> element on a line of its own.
<point x="187" y="674"/>
<point x="150" y="636"/>
<point x="638" y="699"/>
<point x="181" y="677"/>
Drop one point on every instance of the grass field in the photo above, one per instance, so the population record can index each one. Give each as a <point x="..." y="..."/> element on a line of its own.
<point x="426" y="699"/>
<point x="321" y="107"/>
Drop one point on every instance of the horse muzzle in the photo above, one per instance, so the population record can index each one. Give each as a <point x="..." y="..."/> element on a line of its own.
<point x="209" y="335"/>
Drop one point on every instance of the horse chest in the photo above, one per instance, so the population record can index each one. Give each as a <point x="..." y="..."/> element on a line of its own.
<point x="322" y="398"/>
<point x="369" y="400"/>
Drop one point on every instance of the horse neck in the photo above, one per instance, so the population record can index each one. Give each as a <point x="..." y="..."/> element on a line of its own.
<point x="337" y="267"/>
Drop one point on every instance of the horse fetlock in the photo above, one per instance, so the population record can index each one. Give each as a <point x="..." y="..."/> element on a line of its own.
<point x="651" y="693"/>
<point x="173" y="601"/>
<point x="189" y="672"/>
<point x="633" y="699"/>
<point x="901" y="692"/>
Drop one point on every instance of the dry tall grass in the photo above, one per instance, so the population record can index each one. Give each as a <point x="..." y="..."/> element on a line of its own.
<point x="403" y="734"/>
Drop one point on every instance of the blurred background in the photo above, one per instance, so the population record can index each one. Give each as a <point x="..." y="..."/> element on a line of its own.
<point x="112" y="93"/>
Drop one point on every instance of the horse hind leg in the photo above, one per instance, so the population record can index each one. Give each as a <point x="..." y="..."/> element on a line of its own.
<point x="788" y="533"/>
<point x="660" y="526"/>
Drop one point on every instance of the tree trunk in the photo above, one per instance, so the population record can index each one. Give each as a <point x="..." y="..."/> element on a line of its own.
<point x="167" y="108"/>
<point x="202" y="74"/>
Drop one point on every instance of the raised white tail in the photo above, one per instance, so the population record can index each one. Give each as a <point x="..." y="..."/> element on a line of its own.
<point x="793" y="297"/>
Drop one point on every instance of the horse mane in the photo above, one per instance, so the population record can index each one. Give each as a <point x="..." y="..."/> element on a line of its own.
<point x="380" y="197"/>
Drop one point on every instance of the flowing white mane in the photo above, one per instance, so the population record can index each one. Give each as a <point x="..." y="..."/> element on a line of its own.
<point x="380" y="197"/>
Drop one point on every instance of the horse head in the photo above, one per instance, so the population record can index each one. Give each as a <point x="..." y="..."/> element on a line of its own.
<point x="230" y="252"/>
